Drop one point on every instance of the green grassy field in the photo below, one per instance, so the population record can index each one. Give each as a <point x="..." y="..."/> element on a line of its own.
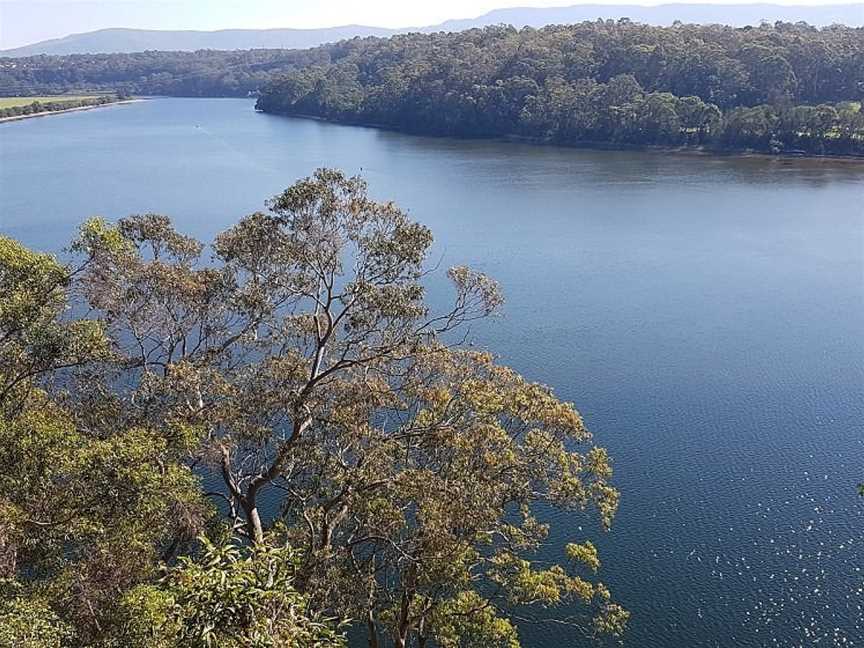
<point x="11" y="102"/>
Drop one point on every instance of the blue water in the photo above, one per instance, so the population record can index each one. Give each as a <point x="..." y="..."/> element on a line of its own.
<point x="705" y="315"/>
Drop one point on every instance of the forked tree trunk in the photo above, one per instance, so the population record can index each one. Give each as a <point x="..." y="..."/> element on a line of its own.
<point x="249" y="500"/>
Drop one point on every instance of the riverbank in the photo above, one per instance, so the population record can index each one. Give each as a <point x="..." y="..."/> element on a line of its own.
<point x="595" y="145"/>
<point x="46" y="113"/>
<point x="701" y="151"/>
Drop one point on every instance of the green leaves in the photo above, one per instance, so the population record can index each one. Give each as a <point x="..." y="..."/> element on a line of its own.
<point x="228" y="597"/>
<point x="96" y="236"/>
<point x="585" y="554"/>
<point x="31" y="285"/>
<point x="469" y="621"/>
<point x="30" y="622"/>
<point x="35" y="340"/>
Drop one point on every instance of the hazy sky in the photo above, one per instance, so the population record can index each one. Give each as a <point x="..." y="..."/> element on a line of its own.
<point x="27" y="21"/>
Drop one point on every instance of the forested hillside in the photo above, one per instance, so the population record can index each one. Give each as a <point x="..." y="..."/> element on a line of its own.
<point x="784" y="87"/>
<point x="205" y="73"/>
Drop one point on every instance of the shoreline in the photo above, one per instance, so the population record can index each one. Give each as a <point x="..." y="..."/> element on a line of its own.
<point x="701" y="151"/>
<point x="47" y="113"/>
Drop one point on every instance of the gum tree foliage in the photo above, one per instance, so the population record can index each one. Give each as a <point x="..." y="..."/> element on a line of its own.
<point x="291" y="389"/>
<point x="87" y="508"/>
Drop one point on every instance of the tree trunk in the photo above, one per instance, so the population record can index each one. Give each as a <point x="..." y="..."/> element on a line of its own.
<point x="403" y="631"/>
<point x="422" y="638"/>
<point x="372" y="629"/>
<point x="249" y="500"/>
<point x="254" y="528"/>
<point x="401" y="638"/>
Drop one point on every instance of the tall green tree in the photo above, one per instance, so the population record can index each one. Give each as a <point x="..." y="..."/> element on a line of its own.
<point x="290" y="431"/>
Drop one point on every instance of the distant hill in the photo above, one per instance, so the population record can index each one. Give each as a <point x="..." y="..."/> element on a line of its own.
<point x="137" y="40"/>
<point x="666" y="14"/>
<point x="108" y="41"/>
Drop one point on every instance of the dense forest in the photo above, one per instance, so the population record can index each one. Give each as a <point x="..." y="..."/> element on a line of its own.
<point x="782" y="87"/>
<point x="786" y="87"/>
<point x="205" y="73"/>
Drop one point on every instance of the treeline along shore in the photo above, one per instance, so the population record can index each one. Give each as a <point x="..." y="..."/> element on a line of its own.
<point x="781" y="88"/>
<point x="776" y="89"/>
<point x="13" y="109"/>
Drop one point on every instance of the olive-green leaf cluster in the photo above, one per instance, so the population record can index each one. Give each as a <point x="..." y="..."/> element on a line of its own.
<point x="229" y="596"/>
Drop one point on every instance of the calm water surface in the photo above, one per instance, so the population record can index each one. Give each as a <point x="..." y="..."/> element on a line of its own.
<point x="704" y="314"/>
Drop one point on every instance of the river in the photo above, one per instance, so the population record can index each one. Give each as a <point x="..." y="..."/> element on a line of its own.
<point x="705" y="314"/>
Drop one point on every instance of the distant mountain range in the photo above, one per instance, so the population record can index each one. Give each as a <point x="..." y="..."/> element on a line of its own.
<point x="106" y="41"/>
<point x="737" y="15"/>
<point x="136" y="40"/>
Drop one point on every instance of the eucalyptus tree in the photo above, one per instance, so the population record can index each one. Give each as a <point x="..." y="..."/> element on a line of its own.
<point x="302" y="370"/>
<point x="244" y="448"/>
<point x="233" y="358"/>
<point x="412" y="497"/>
